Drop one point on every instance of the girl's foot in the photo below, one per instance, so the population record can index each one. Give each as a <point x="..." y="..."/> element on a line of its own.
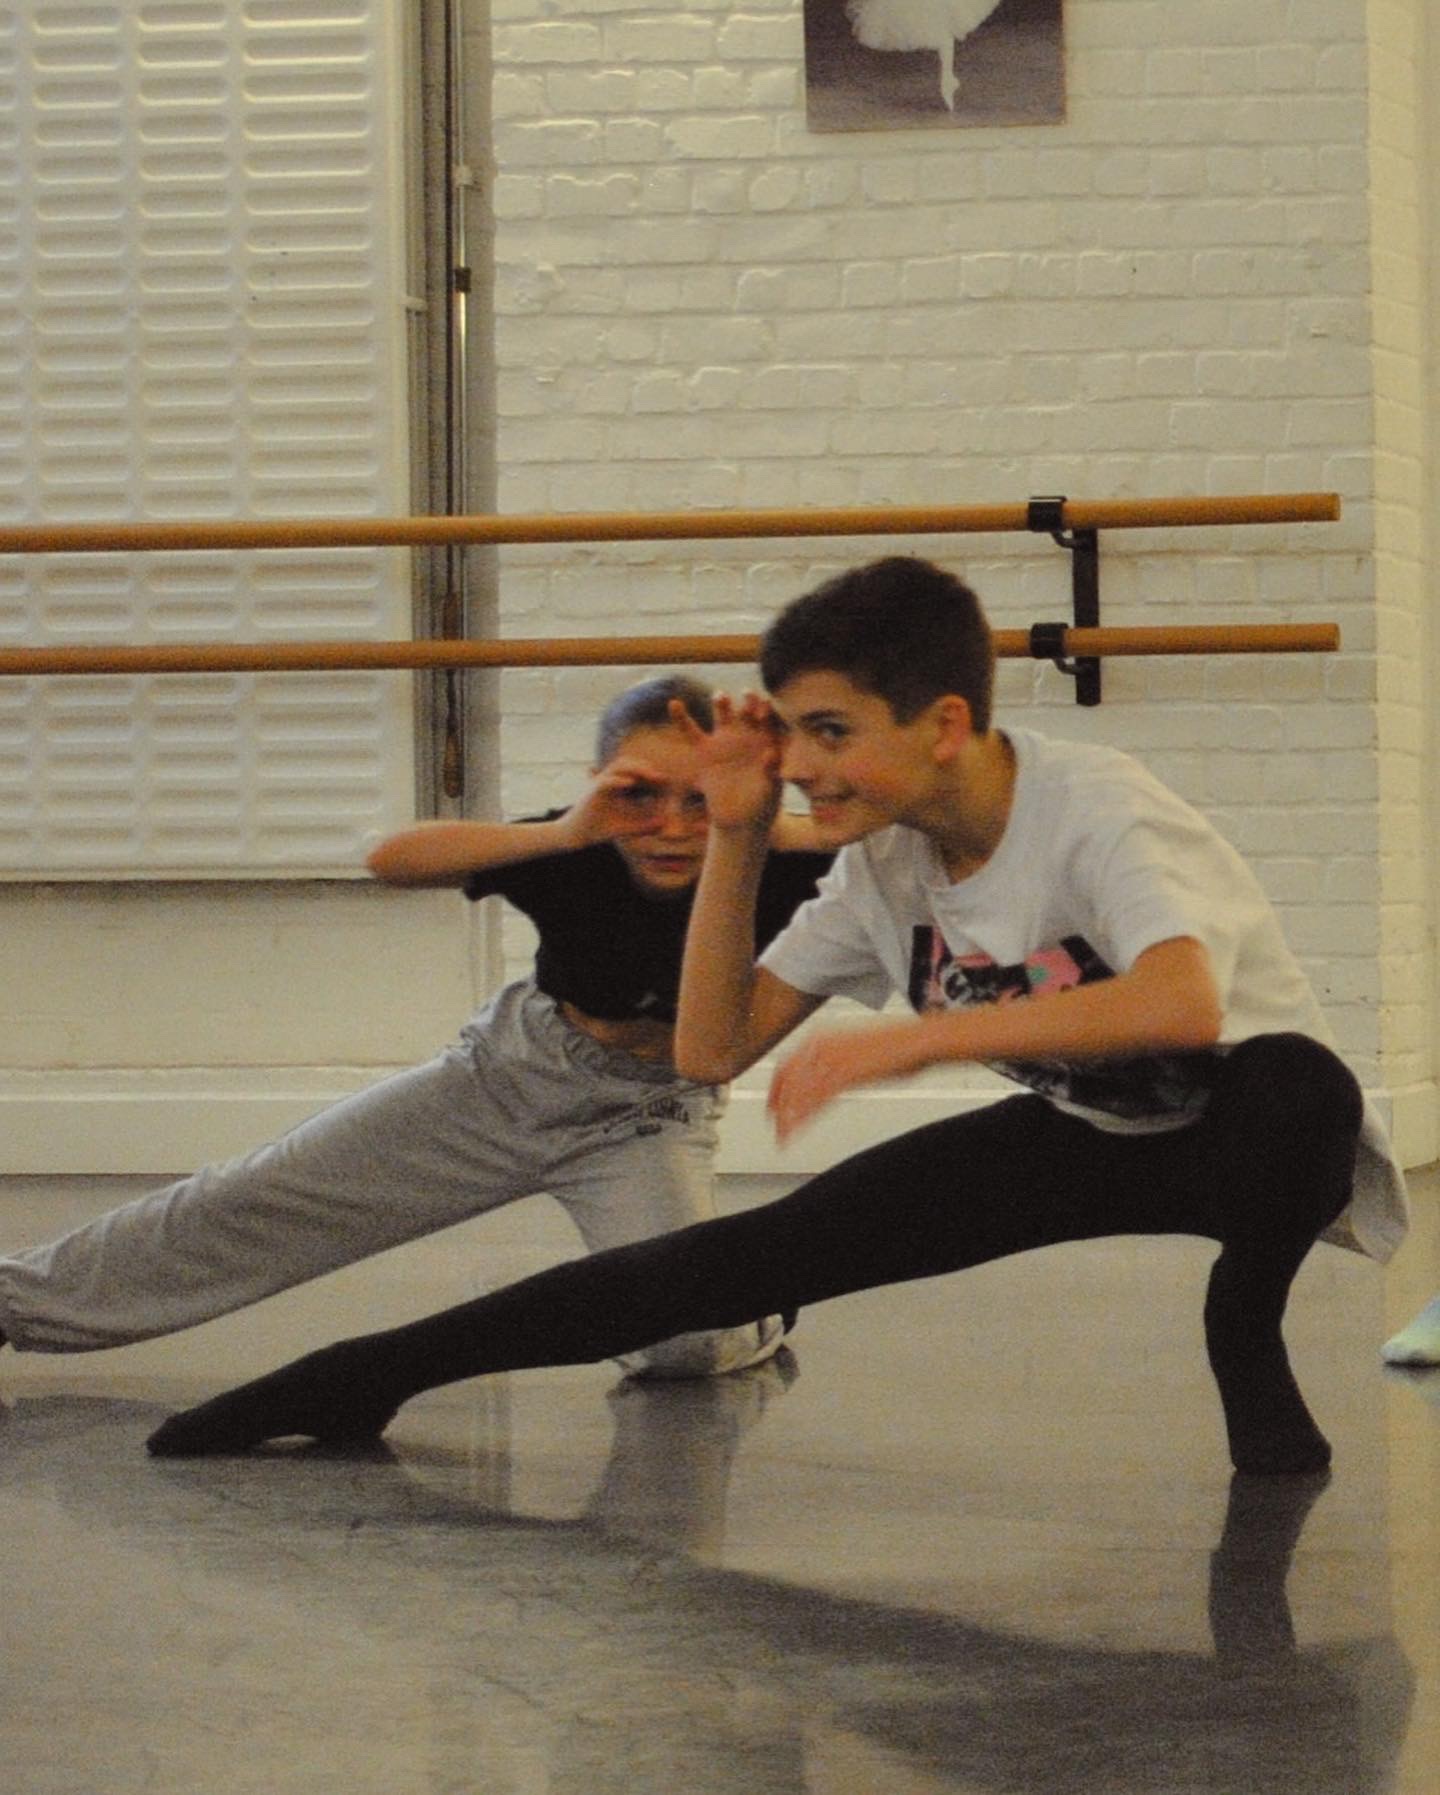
<point x="1419" y="1343"/>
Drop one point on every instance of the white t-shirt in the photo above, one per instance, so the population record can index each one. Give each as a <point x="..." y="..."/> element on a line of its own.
<point x="1098" y="862"/>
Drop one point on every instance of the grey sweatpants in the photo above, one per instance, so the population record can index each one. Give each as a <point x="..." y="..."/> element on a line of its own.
<point x="522" y="1102"/>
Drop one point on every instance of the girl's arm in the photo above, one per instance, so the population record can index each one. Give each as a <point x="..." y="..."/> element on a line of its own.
<point x="443" y="853"/>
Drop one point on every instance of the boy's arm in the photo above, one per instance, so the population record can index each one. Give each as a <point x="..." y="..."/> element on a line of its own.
<point x="1167" y="1002"/>
<point x="731" y="1011"/>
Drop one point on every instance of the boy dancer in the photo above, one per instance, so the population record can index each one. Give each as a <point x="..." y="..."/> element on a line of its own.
<point x="1048" y="908"/>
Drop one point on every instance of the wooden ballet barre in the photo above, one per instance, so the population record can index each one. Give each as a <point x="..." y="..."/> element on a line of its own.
<point x="654" y="526"/>
<point x="614" y="651"/>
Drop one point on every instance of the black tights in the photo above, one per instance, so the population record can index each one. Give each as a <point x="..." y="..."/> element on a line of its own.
<point x="1263" y="1171"/>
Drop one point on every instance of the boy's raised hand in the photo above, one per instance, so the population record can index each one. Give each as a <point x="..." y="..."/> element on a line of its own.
<point x="739" y="770"/>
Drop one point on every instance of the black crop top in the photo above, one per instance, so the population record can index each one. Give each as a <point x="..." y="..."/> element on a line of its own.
<point x="606" y="945"/>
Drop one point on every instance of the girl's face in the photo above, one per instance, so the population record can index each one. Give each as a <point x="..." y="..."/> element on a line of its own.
<point x="665" y="844"/>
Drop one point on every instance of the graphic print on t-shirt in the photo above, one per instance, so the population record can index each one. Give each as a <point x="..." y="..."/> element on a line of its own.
<point x="1172" y="1086"/>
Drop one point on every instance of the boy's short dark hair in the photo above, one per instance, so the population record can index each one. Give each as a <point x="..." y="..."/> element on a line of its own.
<point x="900" y="628"/>
<point x="647" y="706"/>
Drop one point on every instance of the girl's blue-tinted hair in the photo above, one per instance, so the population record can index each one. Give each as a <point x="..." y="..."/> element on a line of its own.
<point x="647" y="706"/>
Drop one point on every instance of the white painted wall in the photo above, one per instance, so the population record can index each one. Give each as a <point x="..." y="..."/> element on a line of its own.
<point x="1193" y="285"/>
<point x="150" y="1027"/>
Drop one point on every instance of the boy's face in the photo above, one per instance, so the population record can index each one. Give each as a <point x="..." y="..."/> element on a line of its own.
<point x="858" y="767"/>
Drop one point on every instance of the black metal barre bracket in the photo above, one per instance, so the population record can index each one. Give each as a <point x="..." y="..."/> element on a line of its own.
<point x="1047" y="640"/>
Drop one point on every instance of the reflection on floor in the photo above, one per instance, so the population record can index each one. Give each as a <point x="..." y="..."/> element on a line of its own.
<point x="973" y="1535"/>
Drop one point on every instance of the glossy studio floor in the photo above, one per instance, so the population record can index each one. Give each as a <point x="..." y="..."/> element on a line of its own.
<point x="974" y="1535"/>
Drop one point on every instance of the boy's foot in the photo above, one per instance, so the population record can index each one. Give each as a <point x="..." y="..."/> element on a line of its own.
<point x="1419" y="1343"/>
<point x="312" y="1399"/>
<point x="1271" y="1431"/>
<point x="1290" y="1446"/>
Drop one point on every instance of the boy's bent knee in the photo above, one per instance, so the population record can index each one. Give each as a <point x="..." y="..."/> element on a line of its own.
<point x="1302" y="1077"/>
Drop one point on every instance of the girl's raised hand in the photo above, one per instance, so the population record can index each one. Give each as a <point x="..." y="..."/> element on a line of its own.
<point x="739" y="760"/>
<point x="620" y="800"/>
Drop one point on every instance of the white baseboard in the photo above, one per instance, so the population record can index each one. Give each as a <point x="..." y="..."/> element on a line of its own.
<point x="139" y="1123"/>
<point x="157" y="1122"/>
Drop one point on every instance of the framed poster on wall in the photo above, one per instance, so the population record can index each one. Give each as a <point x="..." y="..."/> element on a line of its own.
<point x="886" y="65"/>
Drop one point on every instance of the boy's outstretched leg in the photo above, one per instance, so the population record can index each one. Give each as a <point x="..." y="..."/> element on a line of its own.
<point x="325" y="1396"/>
<point x="577" y="1313"/>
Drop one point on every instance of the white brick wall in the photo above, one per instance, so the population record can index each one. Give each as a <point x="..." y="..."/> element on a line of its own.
<point x="701" y="304"/>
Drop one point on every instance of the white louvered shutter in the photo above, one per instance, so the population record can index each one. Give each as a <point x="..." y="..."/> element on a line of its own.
<point x="202" y="315"/>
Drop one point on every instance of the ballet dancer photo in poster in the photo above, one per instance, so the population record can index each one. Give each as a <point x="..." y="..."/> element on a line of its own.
<point x="884" y="65"/>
